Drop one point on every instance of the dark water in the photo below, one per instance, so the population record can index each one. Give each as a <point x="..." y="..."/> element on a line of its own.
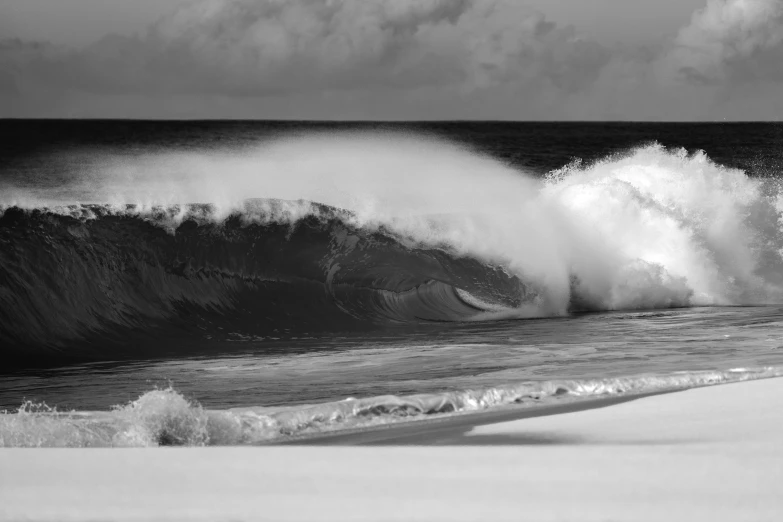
<point x="279" y="264"/>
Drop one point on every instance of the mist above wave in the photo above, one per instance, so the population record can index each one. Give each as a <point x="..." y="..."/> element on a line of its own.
<point x="653" y="228"/>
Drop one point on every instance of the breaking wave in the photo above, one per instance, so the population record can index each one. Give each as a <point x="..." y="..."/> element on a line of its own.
<point x="136" y="253"/>
<point x="102" y="285"/>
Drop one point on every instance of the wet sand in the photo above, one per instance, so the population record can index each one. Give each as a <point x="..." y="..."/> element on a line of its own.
<point x="705" y="454"/>
<point x="449" y="428"/>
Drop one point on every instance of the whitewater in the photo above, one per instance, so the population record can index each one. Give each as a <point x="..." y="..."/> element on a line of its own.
<point x="364" y="268"/>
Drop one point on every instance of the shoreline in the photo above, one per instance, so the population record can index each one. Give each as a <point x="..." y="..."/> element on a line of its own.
<point x="703" y="454"/>
<point x="425" y="431"/>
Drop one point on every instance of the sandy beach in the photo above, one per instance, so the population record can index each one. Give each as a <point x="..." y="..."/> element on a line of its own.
<point x="703" y="454"/>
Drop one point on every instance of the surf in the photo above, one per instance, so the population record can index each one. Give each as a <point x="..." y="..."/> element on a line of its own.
<point x="164" y="417"/>
<point x="139" y="250"/>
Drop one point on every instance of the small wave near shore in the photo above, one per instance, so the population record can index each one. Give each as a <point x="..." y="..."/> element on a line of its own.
<point x="163" y="417"/>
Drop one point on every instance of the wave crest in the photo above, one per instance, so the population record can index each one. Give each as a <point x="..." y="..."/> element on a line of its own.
<point x="430" y="232"/>
<point x="114" y="282"/>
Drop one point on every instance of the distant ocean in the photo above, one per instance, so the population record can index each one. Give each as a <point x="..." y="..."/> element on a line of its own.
<point x="166" y="282"/>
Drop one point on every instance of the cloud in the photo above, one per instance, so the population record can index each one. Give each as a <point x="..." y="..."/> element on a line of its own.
<point x="17" y="54"/>
<point x="252" y="46"/>
<point x="409" y="59"/>
<point x="732" y="41"/>
<point x="265" y="47"/>
<point x="19" y="98"/>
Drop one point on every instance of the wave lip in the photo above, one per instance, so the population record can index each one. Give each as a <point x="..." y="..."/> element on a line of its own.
<point x="164" y="417"/>
<point x="149" y="276"/>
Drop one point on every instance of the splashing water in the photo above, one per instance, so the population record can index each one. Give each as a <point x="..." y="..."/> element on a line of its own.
<point x="658" y="229"/>
<point x="653" y="228"/>
<point x="163" y="417"/>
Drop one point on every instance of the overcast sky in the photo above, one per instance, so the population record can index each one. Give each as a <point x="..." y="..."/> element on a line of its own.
<point x="393" y="59"/>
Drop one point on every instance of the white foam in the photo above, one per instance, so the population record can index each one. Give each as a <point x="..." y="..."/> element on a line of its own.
<point x="165" y="417"/>
<point x="652" y="229"/>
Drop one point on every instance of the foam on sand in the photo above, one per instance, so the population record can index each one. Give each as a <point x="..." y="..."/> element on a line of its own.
<point x="703" y="454"/>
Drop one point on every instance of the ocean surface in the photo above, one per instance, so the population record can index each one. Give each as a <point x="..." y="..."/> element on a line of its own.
<point x="231" y="282"/>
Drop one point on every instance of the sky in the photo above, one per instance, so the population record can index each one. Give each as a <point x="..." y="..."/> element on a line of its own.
<point x="393" y="59"/>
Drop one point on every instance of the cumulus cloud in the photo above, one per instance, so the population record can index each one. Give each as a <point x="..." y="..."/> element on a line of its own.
<point x="492" y="59"/>
<point x="262" y="47"/>
<point x="731" y="41"/>
<point x="258" y="46"/>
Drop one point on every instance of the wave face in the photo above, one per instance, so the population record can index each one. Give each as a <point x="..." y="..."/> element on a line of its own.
<point x="138" y="253"/>
<point x="164" y="417"/>
<point x="95" y="279"/>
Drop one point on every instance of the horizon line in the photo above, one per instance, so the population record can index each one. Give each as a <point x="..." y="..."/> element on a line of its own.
<point x="379" y="121"/>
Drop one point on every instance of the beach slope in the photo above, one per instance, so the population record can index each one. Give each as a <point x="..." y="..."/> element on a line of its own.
<point x="711" y="453"/>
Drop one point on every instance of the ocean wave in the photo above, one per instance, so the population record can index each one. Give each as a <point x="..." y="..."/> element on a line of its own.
<point x="104" y="281"/>
<point x="357" y="232"/>
<point x="163" y="417"/>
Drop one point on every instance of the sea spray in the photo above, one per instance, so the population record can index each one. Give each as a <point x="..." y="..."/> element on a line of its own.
<point x="160" y="417"/>
<point x="371" y="230"/>
<point x="649" y="228"/>
<point x="660" y="228"/>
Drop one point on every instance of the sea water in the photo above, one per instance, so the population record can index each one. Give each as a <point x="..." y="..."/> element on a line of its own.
<point x="243" y="282"/>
